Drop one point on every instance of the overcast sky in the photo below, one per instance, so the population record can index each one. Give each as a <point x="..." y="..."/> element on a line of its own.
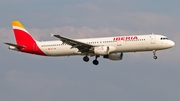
<point x="138" y="77"/>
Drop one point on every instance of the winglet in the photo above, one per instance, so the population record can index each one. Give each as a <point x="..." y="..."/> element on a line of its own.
<point x="52" y="34"/>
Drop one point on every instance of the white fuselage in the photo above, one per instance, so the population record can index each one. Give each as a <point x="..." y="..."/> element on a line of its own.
<point x="121" y="44"/>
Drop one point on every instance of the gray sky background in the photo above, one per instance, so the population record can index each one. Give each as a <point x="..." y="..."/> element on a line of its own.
<point x="138" y="77"/>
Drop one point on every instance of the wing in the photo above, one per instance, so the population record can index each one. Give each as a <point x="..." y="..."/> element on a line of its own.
<point x="82" y="47"/>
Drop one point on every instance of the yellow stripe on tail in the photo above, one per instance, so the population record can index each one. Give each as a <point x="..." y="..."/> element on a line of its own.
<point x="18" y="24"/>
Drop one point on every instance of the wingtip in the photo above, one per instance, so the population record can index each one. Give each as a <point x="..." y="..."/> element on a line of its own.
<point x="52" y="34"/>
<point x="6" y="43"/>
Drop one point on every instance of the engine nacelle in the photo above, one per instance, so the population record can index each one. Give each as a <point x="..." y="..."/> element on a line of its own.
<point x="104" y="50"/>
<point x="114" y="56"/>
<point x="13" y="48"/>
<point x="101" y="50"/>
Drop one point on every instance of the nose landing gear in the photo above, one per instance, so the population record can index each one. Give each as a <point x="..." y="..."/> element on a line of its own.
<point x="154" y="53"/>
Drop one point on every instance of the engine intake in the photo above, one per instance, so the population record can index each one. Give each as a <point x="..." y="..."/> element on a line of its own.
<point x="104" y="50"/>
<point x="101" y="50"/>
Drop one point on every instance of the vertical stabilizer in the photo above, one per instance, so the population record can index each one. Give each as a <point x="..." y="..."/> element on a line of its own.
<point x="22" y="36"/>
<point x="24" y="39"/>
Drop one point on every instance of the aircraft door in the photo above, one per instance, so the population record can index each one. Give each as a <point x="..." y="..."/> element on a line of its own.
<point x="153" y="37"/>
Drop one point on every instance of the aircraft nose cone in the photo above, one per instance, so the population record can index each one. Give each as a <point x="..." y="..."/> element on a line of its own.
<point x="171" y="43"/>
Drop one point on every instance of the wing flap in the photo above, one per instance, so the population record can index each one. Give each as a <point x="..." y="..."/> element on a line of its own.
<point x="71" y="41"/>
<point x="82" y="47"/>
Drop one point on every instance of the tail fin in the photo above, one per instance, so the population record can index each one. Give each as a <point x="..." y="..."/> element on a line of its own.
<point x="23" y="38"/>
<point x="25" y="42"/>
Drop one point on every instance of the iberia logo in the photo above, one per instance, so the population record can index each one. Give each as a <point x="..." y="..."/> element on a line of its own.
<point x="125" y="38"/>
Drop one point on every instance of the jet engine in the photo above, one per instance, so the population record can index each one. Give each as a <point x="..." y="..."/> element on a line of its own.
<point x="104" y="50"/>
<point x="114" y="56"/>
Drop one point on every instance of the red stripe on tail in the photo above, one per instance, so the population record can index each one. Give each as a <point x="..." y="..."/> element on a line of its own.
<point x="25" y="39"/>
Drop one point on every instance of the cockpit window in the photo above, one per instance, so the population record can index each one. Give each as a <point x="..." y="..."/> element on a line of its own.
<point x="164" y="38"/>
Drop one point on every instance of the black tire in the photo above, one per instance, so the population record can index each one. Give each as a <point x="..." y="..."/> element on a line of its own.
<point x="95" y="62"/>
<point x="155" y="57"/>
<point x="86" y="59"/>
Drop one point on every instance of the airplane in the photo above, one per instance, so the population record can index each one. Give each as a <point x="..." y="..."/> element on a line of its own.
<point x="111" y="48"/>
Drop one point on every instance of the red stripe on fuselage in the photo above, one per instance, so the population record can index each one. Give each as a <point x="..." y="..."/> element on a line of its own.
<point x="24" y="39"/>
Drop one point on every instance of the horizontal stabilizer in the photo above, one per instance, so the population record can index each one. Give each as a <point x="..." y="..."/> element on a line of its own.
<point x="17" y="46"/>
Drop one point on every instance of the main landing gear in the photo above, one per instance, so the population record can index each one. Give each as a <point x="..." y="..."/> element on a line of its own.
<point x="154" y="53"/>
<point x="86" y="59"/>
<point x="95" y="62"/>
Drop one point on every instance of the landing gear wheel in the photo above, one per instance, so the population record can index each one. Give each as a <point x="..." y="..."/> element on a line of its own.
<point x="86" y="59"/>
<point x="95" y="62"/>
<point x="154" y="53"/>
<point x="155" y="57"/>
